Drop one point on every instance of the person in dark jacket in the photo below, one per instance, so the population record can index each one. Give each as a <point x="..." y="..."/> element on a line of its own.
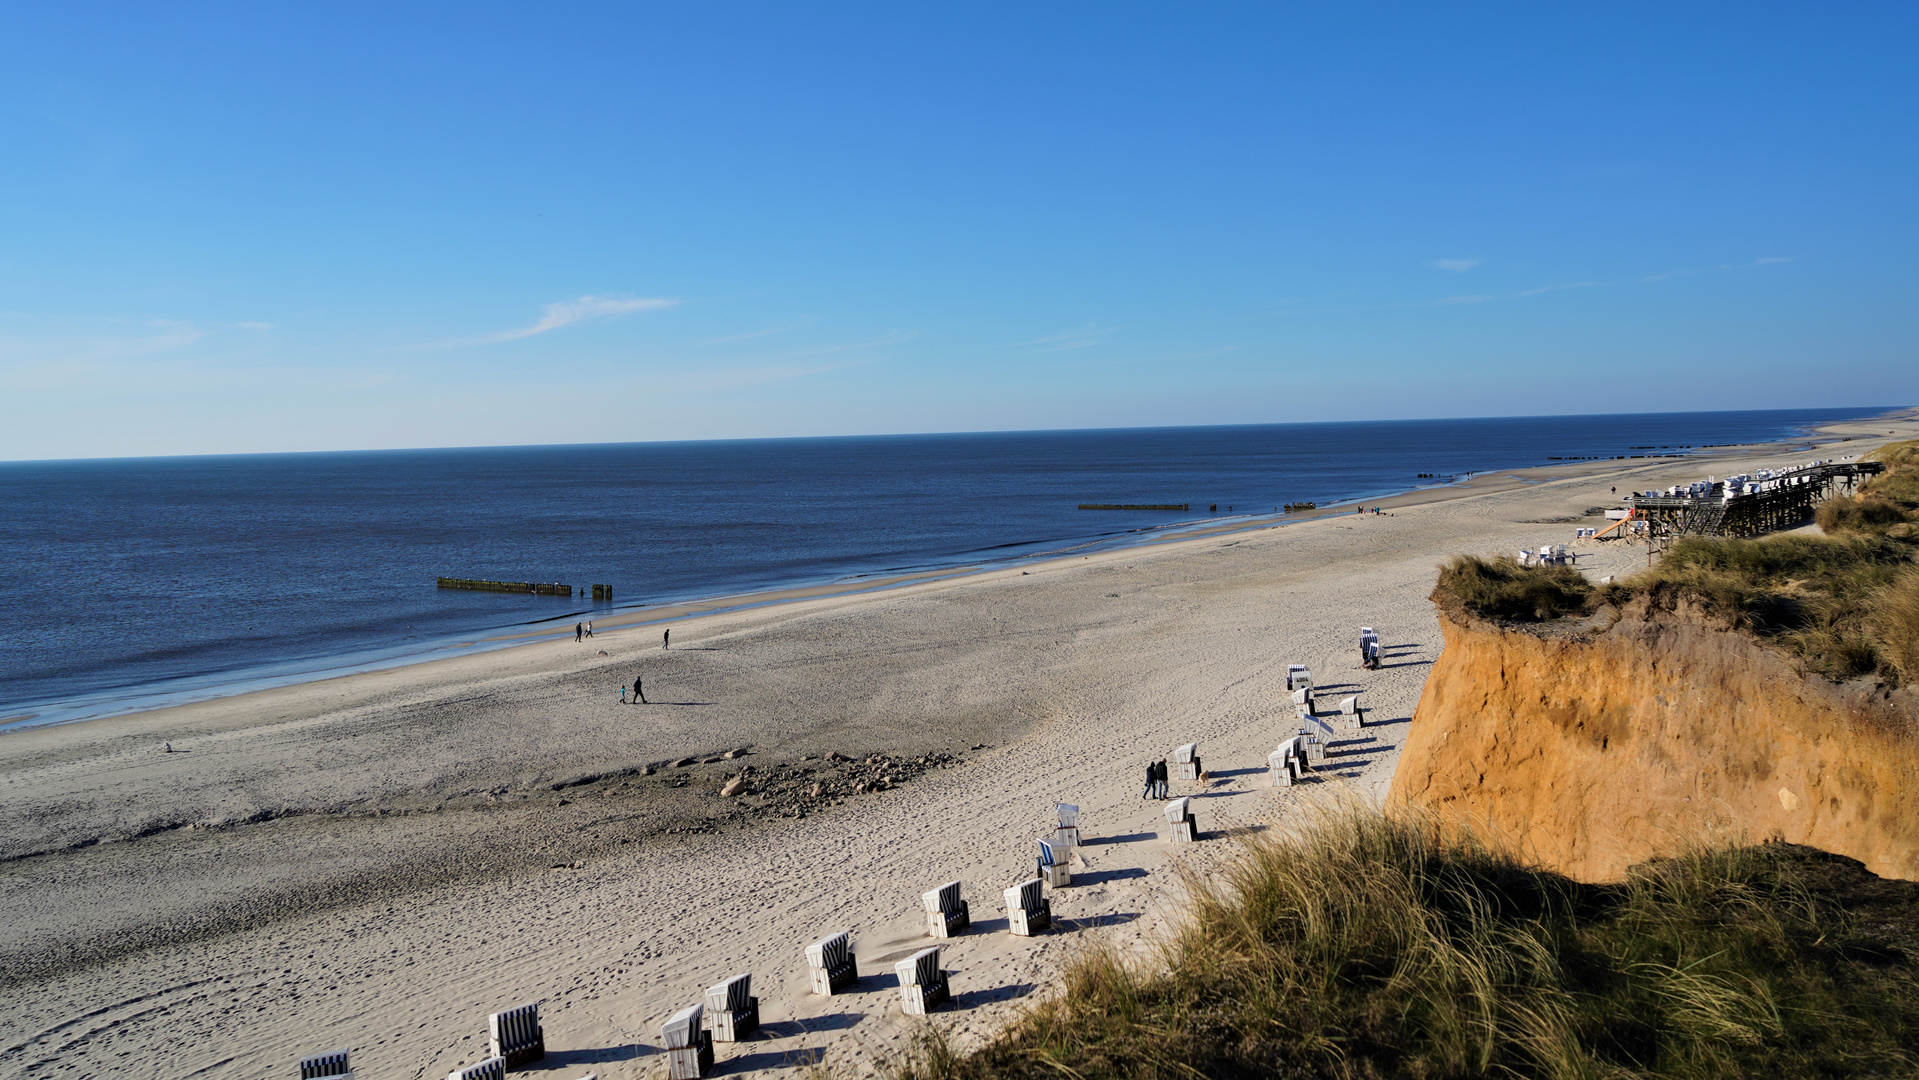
<point x="639" y="695"/>
<point x="1152" y="781"/>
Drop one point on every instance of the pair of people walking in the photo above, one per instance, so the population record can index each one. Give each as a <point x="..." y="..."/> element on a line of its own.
<point x="581" y="631"/>
<point x="1156" y="776"/>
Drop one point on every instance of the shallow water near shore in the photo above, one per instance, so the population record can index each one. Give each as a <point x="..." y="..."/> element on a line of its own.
<point x="136" y="582"/>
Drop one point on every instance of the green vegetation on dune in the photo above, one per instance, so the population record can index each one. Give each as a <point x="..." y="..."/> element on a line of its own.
<point x="1499" y="588"/>
<point x="1363" y="945"/>
<point x="1845" y="604"/>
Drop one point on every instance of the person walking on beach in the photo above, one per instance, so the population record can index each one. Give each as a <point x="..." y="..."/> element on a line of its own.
<point x="1164" y="775"/>
<point x="639" y="694"/>
<point x="589" y="629"/>
<point x="1152" y="778"/>
<point x="666" y="639"/>
<point x="577" y="628"/>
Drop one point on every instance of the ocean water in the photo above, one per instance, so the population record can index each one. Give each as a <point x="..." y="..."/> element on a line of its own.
<point x="134" y="582"/>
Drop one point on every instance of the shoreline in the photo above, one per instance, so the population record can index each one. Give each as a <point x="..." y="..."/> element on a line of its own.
<point x="321" y="669"/>
<point x="380" y="860"/>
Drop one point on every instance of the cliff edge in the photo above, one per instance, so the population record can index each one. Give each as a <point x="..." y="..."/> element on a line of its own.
<point x="1628" y="736"/>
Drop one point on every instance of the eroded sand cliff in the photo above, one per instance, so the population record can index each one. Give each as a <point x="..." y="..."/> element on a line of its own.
<point x="1599" y="746"/>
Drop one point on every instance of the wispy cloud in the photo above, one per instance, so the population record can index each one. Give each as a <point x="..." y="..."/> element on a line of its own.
<point x="585" y="308"/>
<point x="749" y="335"/>
<point x="1771" y="260"/>
<point x="565" y="313"/>
<point x="1457" y="266"/>
<point x="1088" y="336"/>
<point x="1481" y="298"/>
<point x="1178" y="357"/>
<point x="148" y="337"/>
<point x="776" y="366"/>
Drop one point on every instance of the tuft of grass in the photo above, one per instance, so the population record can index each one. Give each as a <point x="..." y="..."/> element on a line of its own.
<point x="1867" y="515"/>
<point x="1361" y="945"/>
<point x="1894" y="622"/>
<point x="1500" y="588"/>
<point x="1900" y="482"/>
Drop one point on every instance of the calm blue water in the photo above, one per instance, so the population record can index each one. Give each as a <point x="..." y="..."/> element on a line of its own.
<point x="127" y="583"/>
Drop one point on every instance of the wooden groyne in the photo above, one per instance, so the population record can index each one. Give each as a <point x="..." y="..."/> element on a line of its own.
<point x="1132" y="506"/>
<point x="537" y="588"/>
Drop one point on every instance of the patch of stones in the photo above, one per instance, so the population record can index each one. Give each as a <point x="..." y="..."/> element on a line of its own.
<point x="814" y="783"/>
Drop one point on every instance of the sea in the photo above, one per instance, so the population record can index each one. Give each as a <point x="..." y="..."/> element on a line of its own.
<point x="128" y="584"/>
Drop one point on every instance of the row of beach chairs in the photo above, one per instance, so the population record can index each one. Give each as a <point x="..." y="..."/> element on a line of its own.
<point x="730" y="1012"/>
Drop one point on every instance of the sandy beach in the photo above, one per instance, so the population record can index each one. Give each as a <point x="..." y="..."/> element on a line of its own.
<point x="380" y="860"/>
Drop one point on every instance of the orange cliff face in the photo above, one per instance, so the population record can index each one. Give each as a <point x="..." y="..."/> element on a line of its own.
<point x="1599" y="750"/>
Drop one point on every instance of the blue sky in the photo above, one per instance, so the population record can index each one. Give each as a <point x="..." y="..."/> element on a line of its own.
<point x="262" y="227"/>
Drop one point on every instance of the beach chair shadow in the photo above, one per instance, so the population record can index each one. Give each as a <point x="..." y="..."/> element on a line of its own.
<point x="975" y="998"/>
<point x="812" y="1025"/>
<point x="1126" y="838"/>
<point x="1219" y="773"/>
<point x="1097" y="877"/>
<point x="1117" y="918"/>
<point x="596" y="1055"/>
<point x="764" y="1059"/>
<point x="1389" y="723"/>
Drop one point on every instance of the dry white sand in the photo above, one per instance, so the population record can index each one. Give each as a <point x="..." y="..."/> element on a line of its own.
<point x="373" y="861"/>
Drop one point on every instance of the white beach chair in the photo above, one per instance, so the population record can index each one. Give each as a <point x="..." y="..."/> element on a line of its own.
<point x="1068" y="831"/>
<point x="831" y="964"/>
<point x="1186" y="762"/>
<point x="1027" y="911"/>
<point x="922" y="983"/>
<point x="332" y="1065"/>
<point x="1303" y="697"/>
<point x="490" y="1069"/>
<point x="515" y="1035"/>
<point x="732" y="1012"/>
<point x="1294" y="673"/>
<point x="689" y="1046"/>
<point x="946" y="912"/>
<point x="1180" y="817"/>
<point x="1288" y="765"/>
<point x="1349" y="706"/>
<point x="1055" y="863"/>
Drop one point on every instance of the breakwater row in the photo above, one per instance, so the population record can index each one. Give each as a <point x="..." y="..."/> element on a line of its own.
<point x="537" y="588"/>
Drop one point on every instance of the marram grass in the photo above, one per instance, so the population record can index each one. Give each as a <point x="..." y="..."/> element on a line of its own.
<point x="1363" y="945"/>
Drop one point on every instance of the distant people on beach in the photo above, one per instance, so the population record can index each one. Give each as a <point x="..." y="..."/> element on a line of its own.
<point x="639" y="693"/>
<point x="579" y="631"/>
<point x="1156" y="776"/>
<point x="666" y="639"/>
<point x="589" y="629"/>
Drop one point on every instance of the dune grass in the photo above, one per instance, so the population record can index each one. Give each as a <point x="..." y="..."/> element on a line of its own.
<point x="1362" y="945"/>
<point x="1500" y="588"/>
